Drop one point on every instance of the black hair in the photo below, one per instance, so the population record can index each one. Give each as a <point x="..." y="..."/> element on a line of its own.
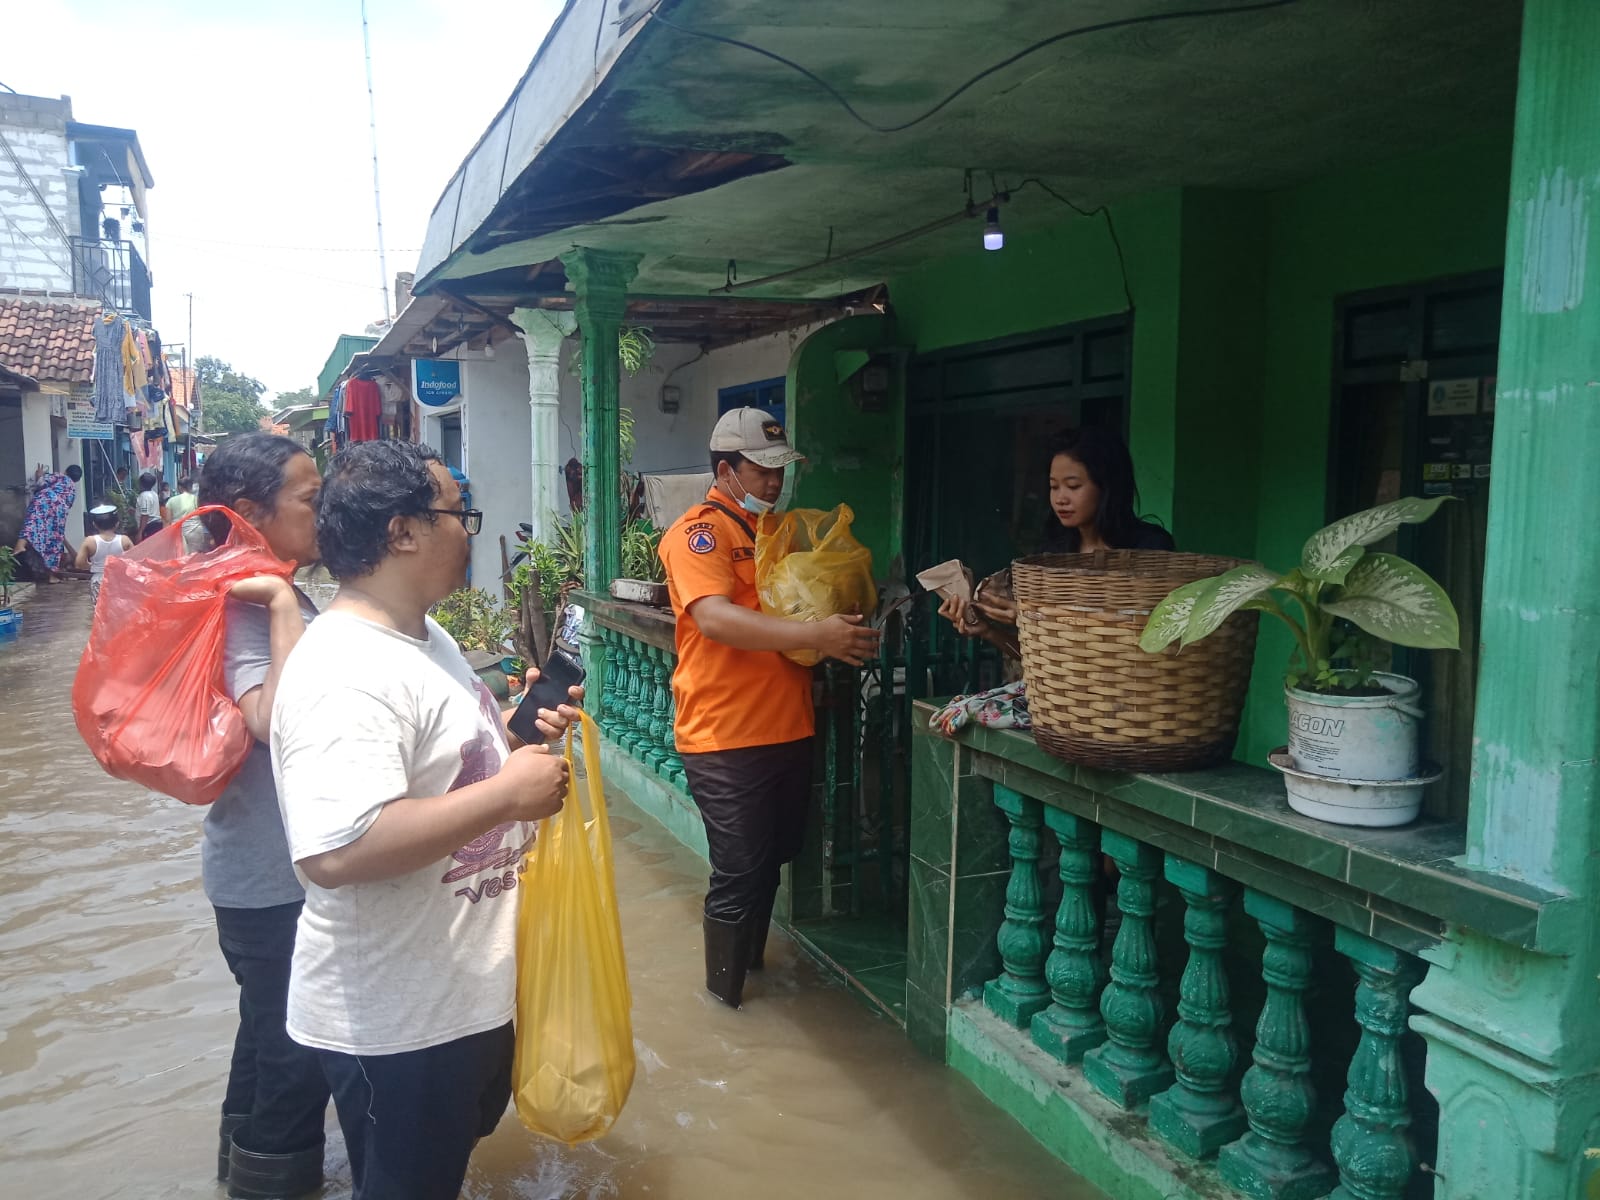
<point x="1104" y="455"/>
<point x="248" y="466"/>
<point x="106" y="522"/>
<point x="732" y="457"/>
<point x="74" y="472"/>
<point x="147" y="480"/>
<point x="368" y="484"/>
<point x="185" y="482"/>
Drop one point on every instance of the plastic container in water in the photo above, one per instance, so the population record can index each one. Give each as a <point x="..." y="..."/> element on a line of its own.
<point x="10" y="626"/>
<point x="1357" y="737"/>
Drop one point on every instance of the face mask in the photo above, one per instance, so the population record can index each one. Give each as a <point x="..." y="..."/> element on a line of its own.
<point x="753" y="504"/>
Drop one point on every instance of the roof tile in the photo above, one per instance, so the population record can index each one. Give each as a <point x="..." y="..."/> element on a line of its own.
<point x="51" y="340"/>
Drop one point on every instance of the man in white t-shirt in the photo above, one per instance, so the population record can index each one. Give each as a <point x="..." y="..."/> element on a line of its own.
<point x="407" y="816"/>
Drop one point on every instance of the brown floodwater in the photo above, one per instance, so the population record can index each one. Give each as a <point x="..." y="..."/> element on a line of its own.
<point x="117" y="1016"/>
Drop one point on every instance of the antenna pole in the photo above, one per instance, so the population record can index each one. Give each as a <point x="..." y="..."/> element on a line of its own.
<point x="377" y="196"/>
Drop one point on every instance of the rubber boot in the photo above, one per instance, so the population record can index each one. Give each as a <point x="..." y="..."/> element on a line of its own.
<point x="230" y="1122"/>
<point x="727" y="958"/>
<point x="760" y="924"/>
<point x="254" y="1176"/>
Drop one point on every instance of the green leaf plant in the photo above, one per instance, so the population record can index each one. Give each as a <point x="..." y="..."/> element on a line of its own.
<point x="1341" y="602"/>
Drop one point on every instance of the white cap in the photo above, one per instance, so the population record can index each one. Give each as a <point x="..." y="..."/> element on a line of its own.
<point x="753" y="433"/>
<point x="102" y="510"/>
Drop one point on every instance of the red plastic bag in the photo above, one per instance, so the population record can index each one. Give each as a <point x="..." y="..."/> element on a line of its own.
<point x="149" y="697"/>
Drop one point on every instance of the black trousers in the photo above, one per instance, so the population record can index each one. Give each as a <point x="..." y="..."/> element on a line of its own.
<point x="274" y="1081"/>
<point x="410" y="1120"/>
<point x="754" y="804"/>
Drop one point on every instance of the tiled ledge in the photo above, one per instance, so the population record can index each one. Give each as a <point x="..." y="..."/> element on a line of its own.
<point x="652" y="626"/>
<point x="1401" y="886"/>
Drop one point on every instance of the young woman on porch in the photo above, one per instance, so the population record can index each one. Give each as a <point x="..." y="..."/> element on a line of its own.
<point x="1093" y="506"/>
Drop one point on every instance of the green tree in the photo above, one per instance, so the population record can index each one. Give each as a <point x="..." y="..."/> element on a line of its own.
<point x="295" y="399"/>
<point x="230" y="402"/>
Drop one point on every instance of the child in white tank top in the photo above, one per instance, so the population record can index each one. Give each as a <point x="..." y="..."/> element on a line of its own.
<point x="105" y="545"/>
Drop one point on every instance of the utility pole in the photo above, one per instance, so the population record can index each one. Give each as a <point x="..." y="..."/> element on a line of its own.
<point x="377" y="197"/>
<point x="194" y="378"/>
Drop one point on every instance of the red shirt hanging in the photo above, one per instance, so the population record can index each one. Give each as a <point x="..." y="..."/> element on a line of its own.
<point x="363" y="402"/>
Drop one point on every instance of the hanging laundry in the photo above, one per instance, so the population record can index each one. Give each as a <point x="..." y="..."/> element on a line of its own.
<point x="109" y="404"/>
<point x="365" y="405"/>
<point x="130" y="356"/>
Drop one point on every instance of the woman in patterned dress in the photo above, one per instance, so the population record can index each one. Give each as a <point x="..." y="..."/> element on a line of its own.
<point x="44" y="530"/>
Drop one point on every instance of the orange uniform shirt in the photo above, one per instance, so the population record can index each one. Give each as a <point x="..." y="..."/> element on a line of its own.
<point x="727" y="699"/>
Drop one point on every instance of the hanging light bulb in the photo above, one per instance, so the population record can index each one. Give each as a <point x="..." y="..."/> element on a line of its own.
<point x="994" y="237"/>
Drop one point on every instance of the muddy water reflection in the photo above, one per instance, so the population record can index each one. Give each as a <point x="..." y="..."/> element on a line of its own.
<point x="116" y="1019"/>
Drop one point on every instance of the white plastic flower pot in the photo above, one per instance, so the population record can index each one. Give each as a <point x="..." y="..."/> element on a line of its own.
<point x="1373" y="803"/>
<point x="1371" y="738"/>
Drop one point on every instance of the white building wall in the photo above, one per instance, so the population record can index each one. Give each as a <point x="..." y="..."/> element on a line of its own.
<point x="33" y="253"/>
<point x="496" y="432"/>
<point x="496" y="425"/>
<point x="668" y="443"/>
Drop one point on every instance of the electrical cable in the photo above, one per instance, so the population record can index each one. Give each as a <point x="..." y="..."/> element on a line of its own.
<point x="1111" y="226"/>
<point x="1100" y="27"/>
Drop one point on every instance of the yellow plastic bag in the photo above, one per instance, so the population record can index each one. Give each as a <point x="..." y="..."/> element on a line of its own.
<point x="574" y="1054"/>
<point x="809" y="567"/>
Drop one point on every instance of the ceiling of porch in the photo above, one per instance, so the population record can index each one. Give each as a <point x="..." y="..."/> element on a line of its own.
<point x="699" y="153"/>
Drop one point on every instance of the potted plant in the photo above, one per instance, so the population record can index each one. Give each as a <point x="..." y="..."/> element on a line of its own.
<point x="480" y="627"/>
<point x="1352" y="755"/>
<point x="10" y="619"/>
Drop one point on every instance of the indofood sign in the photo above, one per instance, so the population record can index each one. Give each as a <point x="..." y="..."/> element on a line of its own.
<point x="435" y="382"/>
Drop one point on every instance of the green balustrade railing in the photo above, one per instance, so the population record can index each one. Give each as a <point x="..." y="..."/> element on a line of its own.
<point x="1096" y="1006"/>
<point x="636" y="704"/>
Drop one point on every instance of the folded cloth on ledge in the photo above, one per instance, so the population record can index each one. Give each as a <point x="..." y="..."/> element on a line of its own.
<point x="1003" y="708"/>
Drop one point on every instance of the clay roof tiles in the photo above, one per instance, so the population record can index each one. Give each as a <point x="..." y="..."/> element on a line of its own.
<point x="51" y="340"/>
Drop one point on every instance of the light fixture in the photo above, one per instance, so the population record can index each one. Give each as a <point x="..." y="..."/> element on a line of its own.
<point x="994" y="237"/>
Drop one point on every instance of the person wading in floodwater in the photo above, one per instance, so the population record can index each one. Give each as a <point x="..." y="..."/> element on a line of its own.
<point x="271" y="1139"/>
<point x="745" y="723"/>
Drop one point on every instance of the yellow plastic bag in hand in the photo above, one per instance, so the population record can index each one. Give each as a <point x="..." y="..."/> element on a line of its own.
<point x="574" y="1055"/>
<point x="809" y="567"/>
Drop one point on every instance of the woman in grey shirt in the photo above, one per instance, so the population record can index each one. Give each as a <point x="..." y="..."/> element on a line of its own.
<point x="274" y="1110"/>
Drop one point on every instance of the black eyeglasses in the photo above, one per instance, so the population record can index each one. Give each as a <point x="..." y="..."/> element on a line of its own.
<point x="471" y="518"/>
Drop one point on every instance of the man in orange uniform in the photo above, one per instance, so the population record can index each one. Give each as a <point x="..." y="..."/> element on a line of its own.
<point x="745" y="721"/>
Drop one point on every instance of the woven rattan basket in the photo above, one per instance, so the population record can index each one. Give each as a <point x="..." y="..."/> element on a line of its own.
<point x="1094" y="696"/>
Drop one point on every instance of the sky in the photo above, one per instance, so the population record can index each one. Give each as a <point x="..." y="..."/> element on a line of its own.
<point x="254" y="122"/>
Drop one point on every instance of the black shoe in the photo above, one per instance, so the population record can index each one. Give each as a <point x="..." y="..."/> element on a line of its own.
<point x="225" y="1133"/>
<point x="760" y="924"/>
<point x="274" y="1176"/>
<point x="727" y="958"/>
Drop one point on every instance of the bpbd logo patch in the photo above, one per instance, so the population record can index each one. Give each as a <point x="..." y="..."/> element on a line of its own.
<point x="773" y="431"/>
<point x="702" y="538"/>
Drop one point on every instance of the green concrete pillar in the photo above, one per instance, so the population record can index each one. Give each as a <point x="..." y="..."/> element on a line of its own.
<point x="1513" y="1037"/>
<point x="600" y="280"/>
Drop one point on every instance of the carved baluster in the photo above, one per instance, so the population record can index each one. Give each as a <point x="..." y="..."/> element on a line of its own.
<point x="1273" y="1160"/>
<point x="1199" y="1114"/>
<point x="659" y="730"/>
<point x="639" y="710"/>
<point x="628" y="734"/>
<point x="674" y="761"/>
<point x="1020" y="991"/>
<point x="1075" y="970"/>
<point x="1131" y="1067"/>
<point x="611" y="683"/>
<point x="1370" y="1142"/>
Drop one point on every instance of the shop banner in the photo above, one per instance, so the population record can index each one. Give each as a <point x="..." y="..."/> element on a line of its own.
<point x="435" y="382"/>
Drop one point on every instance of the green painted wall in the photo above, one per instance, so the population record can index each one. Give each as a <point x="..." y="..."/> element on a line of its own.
<point x="1426" y="217"/>
<point x="1221" y="344"/>
<point x="1233" y="334"/>
<point x="852" y="457"/>
<point x="1058" y="276"/>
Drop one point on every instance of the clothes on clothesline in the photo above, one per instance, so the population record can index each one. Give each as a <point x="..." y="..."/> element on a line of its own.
<point x="110" y="403"/>
<point x="364" y="403"/>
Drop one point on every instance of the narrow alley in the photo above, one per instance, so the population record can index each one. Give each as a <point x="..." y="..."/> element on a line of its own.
<point x="116" y="1026"/>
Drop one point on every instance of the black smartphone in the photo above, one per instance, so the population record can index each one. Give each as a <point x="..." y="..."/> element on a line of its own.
<point x="560" y="674"/>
